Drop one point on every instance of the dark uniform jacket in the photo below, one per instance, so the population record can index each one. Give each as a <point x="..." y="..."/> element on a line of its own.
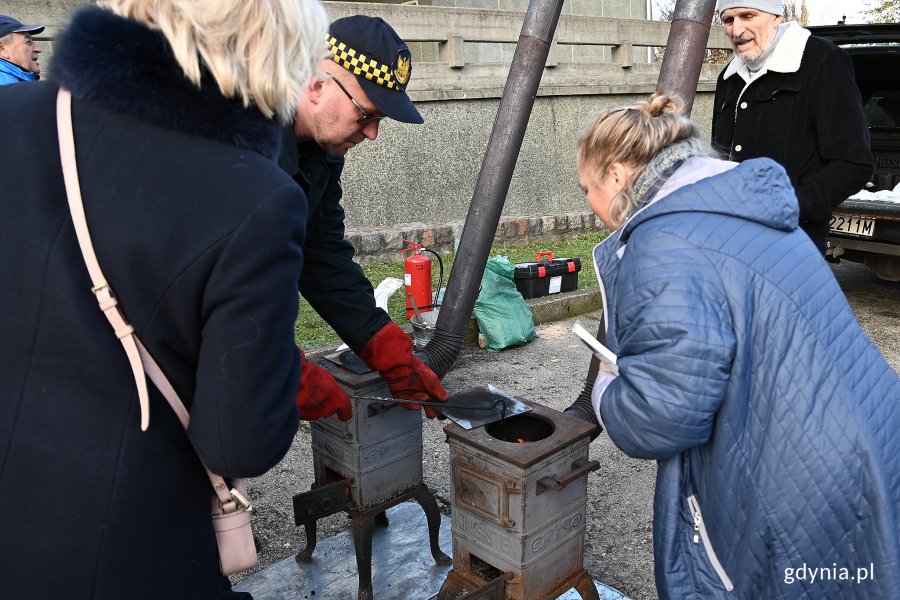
<point x="200" y="236"/>
<point x="805" y="112"/>
<point x="332" y="283"/>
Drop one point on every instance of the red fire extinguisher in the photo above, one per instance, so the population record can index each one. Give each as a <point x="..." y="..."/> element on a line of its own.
<point x="417" y="278"/>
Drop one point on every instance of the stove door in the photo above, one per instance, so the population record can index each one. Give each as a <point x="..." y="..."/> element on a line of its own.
<point x="485" y="494"/>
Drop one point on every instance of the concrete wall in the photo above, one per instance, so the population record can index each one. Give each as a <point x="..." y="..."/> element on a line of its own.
<point x="487" y="51"/>
<point x="427" y="173"/>
<point x="38" y="12"/>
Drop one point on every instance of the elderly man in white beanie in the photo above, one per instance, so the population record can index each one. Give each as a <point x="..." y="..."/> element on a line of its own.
<point x="793" y="98"/>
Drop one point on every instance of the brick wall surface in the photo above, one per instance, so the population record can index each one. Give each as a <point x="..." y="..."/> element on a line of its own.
<point x="384" y="243"/>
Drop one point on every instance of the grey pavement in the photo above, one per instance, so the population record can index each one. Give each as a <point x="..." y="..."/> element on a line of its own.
<point x="550" y="370"/>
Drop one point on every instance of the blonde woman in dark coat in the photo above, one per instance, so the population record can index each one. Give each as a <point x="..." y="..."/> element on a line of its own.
<point x="177" y="109"/>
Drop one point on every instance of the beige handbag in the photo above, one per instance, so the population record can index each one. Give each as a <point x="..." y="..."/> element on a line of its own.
<point x="230" y="507"/>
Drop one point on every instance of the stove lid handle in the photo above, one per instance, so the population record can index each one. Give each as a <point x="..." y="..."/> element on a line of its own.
<point x="580" y="468"/>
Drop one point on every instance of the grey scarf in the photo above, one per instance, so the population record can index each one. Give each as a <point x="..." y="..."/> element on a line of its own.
<point x="658" y="170"/>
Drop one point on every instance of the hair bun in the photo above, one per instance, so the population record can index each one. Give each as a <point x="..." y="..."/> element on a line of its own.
<point x="661" y="103"/>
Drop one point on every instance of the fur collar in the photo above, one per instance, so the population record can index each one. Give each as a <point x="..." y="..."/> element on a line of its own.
<point x="126" y="67"/>
<point x="785" y="58"/>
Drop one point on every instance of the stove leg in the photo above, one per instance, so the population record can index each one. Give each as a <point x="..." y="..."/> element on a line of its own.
<point x="433" y="516"/>
<point x="362" y="538"/>
<point x="306" y="554"/>
<point x="586" y="588"/>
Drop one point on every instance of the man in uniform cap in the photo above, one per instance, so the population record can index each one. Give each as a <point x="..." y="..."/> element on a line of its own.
<point x="793" y="98"/>
<point x="18" y="52"/>
<point x="361" y="81"/>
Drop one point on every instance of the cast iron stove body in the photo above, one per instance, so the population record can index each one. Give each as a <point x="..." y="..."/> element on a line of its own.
<point x="363" y="467"/>
<point x="519" y="509"/>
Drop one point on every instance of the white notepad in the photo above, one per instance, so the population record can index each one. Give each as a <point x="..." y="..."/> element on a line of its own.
<point x="601" y="351"/>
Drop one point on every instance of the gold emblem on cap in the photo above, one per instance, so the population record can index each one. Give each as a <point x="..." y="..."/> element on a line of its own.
<point x="402" y="70"/>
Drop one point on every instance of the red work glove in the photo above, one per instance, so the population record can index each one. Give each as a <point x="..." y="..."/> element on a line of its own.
<point x="390" y="353"/>
<point x="319" y="394"/>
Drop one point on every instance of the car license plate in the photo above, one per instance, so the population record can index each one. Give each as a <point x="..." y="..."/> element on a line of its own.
<point x="849" y="224"/>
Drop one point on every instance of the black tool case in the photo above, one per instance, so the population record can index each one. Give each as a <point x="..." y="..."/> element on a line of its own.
<point x="547" y="275"/>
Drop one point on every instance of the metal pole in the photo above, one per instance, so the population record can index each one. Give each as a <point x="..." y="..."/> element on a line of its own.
<point x="493" y="181"/>
<point x="686" y="49"/>
<point x="679" y="74"/>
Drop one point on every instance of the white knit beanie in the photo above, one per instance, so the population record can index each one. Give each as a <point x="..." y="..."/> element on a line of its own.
<point x="770" y="6"/>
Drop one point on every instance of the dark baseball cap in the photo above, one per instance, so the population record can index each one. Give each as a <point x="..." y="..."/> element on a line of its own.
<point x="370" y="49"/>
<point x="9" y="25"/>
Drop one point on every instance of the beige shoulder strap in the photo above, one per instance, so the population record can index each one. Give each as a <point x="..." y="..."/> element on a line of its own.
<point x="140" y="359"/>
<point x="105" y="298"/>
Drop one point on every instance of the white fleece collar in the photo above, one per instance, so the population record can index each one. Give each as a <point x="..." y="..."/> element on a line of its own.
<point x="784" y="59"/>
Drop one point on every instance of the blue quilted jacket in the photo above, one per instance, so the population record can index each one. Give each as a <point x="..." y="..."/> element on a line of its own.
<point x="744" y="373"/>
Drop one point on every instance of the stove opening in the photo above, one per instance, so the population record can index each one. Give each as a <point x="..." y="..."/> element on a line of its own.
<point x="333" y="476"/>
<point x="521" y="429"/>
<point x="483" y="569"/>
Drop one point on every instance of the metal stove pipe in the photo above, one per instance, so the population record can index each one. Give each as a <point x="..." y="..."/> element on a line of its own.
<point x="685" y="49"/>
<point x="679" y="74"/>
<point x="493" y="183"/>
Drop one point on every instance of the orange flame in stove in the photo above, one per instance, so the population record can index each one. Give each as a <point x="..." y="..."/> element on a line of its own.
<point x="521" y="441"/>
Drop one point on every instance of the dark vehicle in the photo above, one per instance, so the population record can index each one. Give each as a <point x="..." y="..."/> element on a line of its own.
<point x="868" y="231"/>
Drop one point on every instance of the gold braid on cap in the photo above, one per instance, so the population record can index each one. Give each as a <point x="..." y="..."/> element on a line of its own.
<point x="360" y="64"/>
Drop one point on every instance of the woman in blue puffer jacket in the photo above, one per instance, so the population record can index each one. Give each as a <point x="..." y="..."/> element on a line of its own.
<point x="741" y="369"/>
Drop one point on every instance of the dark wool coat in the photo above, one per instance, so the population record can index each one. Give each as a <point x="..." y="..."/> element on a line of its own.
<point x="200" y="234"/>
<point x="332" y="283"/>
<point x="744" y="373"/>
<point x="804" y="112"/>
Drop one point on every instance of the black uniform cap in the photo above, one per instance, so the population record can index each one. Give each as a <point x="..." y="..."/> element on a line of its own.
<point x="370" y="49"/>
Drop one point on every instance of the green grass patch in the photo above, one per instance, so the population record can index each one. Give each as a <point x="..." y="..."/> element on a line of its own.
<point x="311" y="330"/>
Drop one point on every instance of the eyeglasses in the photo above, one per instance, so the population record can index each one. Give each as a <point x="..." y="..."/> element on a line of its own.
<point x="366" y="117"/>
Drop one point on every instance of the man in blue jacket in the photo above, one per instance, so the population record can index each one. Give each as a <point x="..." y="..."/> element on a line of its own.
<point x="363" y="80"/>
<point x="18" y="52"/>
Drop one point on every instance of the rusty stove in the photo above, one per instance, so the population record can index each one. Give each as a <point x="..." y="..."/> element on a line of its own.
<point x="519" y="501"/>
<point x="363" y="467"/>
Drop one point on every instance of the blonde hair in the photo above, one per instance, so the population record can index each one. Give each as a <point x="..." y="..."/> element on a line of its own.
<point x="261" y="51"/>
<point x="632" y="136"/>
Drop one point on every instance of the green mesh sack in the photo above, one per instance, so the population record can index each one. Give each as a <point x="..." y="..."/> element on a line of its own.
<point x="500" y="311"/>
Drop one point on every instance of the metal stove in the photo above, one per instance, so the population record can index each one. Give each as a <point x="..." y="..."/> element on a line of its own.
<point x="363" y="467"/>
<point x="519" y="502"/>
